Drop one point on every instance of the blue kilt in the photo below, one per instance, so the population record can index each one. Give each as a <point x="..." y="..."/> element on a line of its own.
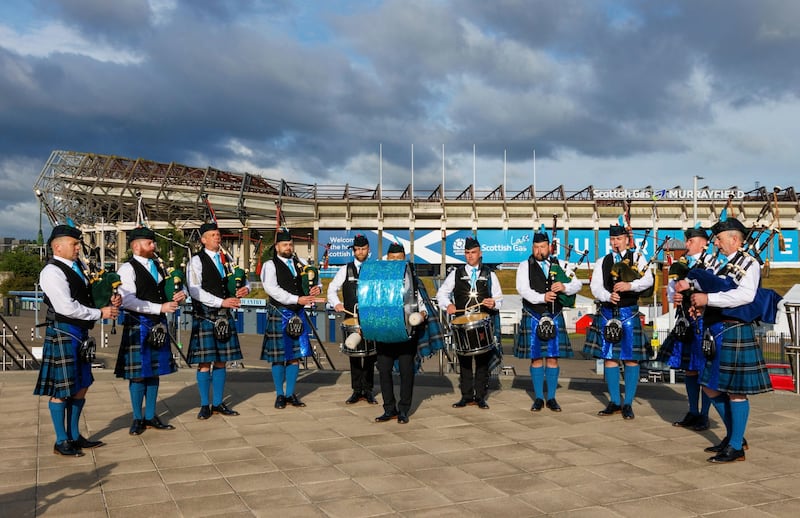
<point x="431" y="340"/>
<point x="738" y="365"/>
<point x="136" y="359"/>
<point x="679" y="355"/>
<point x="62" y="374"/>
<point x="634" y="345"/>
<point x="277" y="345"/>
<point x="528" y="345"/>
<point x="204" y="348"/>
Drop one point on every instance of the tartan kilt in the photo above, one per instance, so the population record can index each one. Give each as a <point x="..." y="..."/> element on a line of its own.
<point x="62" y="374"/>
<point x="738" y="365"/>
<point x="528" y="345"/>
<point x="634" y="345"/>
<point x="431" y="340"/>
<point x="680" y="355"/>
<point x="204" y="348"/>
<point x="277" y="346"/>
<point x="136" y="359"/>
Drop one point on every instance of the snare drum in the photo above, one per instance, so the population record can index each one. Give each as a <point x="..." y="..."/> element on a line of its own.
<point x="386" y="298"/>
<point x="472" y="334"/>
<point x="363" y="348"/>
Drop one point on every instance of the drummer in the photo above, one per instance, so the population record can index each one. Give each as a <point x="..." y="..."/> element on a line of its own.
<point x="403" y="353"/>
<point x="362" y="369"/>
<point x="473" y="288"/>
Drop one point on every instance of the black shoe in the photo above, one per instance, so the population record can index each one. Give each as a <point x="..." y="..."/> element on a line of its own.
<point x="67" y="448"/>
<point x="482" y="403"/>
<point x="205" y="412"/>
<point x="553" y="405"/>
<point x="386" y="416"/>
<point x="464" y="401"/>
<point x="138" y="426"/>
<point x="688" y="421"/>
<point x="353" y="399"/>
<point x="295" y="401"/>
<point x="156" y="423"/>
<point x="724" y="444"/>
<point x="611" y="409"/>
<point x="538" y="404"/>
<point x="280" y="402"/>
<point x="84" y="443"/>
<point x="223" y="409"/>
<point x="402" y="418"/>
<point x="370" y="398"/>
<point x="627" y="412"/>
<point x="727" y="455"/>
<point x="701" y="424"/>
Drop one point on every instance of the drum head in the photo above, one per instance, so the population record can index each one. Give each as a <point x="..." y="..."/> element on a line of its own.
<point x="350" y="322"/>
<point x="469" y="319"/>
<point x="385" y="300"/>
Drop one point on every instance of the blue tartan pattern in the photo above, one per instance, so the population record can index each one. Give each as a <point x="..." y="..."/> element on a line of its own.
<point x="528" y="345"/>
<point x="136" y="359"/>
<point x="431" y="340"/>
<point x="738" y="365"/>
<point x="204" y="348"/>
<point x="634" y="345"/>
<point x="277" y="346"/>
<point x="679" y="355"/>
<point x="62" y="373"/>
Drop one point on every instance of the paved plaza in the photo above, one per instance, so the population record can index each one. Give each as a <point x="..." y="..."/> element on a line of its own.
<point x="331" y="459"/>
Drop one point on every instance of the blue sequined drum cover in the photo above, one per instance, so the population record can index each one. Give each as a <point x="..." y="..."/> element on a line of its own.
<point x="385" y="300"/>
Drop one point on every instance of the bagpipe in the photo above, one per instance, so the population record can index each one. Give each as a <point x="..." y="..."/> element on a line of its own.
<point x="235" y="276"/>
<point x="102" y="283"/>
<point x="558" y="274"/>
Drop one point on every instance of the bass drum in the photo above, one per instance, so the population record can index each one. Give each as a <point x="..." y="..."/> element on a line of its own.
<point x="386" y="298"/>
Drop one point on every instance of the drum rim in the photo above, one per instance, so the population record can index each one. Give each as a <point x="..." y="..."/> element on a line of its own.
<point x="470" y="318"/>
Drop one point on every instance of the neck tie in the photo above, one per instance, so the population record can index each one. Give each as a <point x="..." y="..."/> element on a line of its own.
<point x="691" y="261"/>
<point x="473" y="277"/>
<point x="617" y="258"/>
<point x="153" y="269"/>
<point x="77" y="269"/>
<point x="219" y="265"/>
<point x="290" y="264"/>
<point x="545" y="269"/>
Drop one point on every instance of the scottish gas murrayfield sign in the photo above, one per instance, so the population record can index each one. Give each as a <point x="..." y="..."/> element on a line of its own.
<point x="666" y="194"/>
<point x="509" y="246"/>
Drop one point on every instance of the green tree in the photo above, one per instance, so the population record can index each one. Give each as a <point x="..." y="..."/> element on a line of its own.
<point x="25" y="266"/>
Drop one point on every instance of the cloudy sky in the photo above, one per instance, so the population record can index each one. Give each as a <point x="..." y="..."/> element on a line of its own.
<point x="604" y="92"/>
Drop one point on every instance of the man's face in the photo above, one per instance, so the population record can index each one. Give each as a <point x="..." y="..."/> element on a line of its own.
<point x="618" y="243"/>
<point x="66" y="247"/>
<point x="361" y="253"/>
<point x="211" y="240"/>
<point x="396" y="256"/>
<point x="695" y="245"/>
<point x="728" y="241"/>
<point x="541" y="250"/>
<point x="284" y="249"/>
<point x="144" y="248"/>
<point x="473" y="256"/>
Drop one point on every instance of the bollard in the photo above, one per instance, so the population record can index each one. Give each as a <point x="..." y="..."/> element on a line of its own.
<point x="32" y="337"/>
<point x="105" y="341"/>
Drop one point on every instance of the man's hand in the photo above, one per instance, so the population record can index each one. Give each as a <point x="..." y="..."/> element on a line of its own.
<point x="232" y="302"/>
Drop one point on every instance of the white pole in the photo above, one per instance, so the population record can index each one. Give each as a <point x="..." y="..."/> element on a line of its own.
<point x="534" y="173"/>
<point x="694" y="200"/>
<point x="504" y="170"/>
<point x="473" y="171"/>
<point x="442" y="173"/>
<point x="412" y="172"/>
<point x="380" y="170"/>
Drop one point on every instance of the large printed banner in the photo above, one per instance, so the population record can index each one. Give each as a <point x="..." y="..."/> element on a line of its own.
<point x="514" y="246"/>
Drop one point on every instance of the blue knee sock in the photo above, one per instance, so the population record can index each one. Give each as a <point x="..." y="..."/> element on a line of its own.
<point x="218" y="376"/>
<point x="203" y="384"/>
<point x="279" y="377"/>
<point x="721" y="404"/>
<point x="151" y="393"/>
<point x="551" y="373"/>
<point x="692" y="393"/>
<point x="705" y="404"/>
<point x="75" y="418"/>
<point x="631" y="382"/>
<point x="537" y="378"/>
<point x="137" y="389"/>
<point x="58" y="412"/>
<point x="612" y="380"/>
<point x="292" y="371"/>
<point x="740" y="411"/>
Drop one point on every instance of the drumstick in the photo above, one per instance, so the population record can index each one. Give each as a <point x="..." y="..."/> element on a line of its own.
<point x="349" y="313"/>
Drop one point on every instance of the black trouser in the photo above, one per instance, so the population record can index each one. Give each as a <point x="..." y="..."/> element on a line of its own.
<point x="404" y="354"/>
<point x="362" y="373"/>
<point x="474" y="386"/>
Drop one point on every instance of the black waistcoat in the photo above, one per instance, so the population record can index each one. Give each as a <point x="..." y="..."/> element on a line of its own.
<point x="461" y="288"/>
<point x="626" y="298"/>
<point x="287" y="281"/>
<point x="540" y="284"/>
<point x="350" y="287"/>
<point x="78" y="290"/>
<point x="146" y="287"/>
<point x="210" y="278"/>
